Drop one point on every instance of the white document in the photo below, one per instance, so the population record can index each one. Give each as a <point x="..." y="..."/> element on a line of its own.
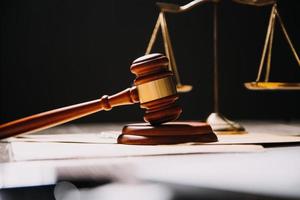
<point x="22" y="151"/>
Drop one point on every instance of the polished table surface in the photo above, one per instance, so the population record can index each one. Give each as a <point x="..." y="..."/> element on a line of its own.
<point x="273" y="173"/>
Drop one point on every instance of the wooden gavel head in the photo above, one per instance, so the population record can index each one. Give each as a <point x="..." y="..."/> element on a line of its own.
<point x="156" y="89"/>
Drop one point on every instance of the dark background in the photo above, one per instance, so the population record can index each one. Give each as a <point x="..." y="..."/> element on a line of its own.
<point x="56" y="53"/>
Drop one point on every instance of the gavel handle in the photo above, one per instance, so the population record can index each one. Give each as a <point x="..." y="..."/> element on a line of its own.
<point x="61" y="115"/>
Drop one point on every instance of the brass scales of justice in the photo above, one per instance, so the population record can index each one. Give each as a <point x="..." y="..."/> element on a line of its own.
<point x="220" y="124"/>
<point x="152" y="74"/>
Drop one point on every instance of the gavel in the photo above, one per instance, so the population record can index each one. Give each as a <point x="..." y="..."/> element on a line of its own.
<point x="153" y="88"/>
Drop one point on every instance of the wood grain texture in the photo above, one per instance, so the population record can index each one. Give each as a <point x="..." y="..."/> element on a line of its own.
<point x="62" y="115"/>
<point x="147" y="68"/>
<point x="168" y="133"/>
<point x="160" y="140"/>
<point x="167" y="129"/>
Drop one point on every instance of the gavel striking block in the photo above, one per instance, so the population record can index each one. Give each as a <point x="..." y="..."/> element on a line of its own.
<point x="168" y="133"/>
<point x="153" y="88"/>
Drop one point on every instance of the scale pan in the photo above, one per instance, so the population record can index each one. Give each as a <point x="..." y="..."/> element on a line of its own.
<point x="272" y="86"/>
<point x="256" y="2"/>
<point x="184" y="88"/>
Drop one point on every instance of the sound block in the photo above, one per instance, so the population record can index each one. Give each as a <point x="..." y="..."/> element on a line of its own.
<point x="168" y="133"/>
